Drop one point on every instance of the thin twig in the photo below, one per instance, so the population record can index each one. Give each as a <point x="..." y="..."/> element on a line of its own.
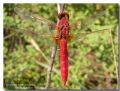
<point x="60" y="7"/>
<point x="115" y="60"/>
<point x="51" y="66"/>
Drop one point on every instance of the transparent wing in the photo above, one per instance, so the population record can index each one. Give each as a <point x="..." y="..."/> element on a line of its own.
<point x="92" y="24"/>
<point x="36" y="26"/>
<point x="24" y="14"/>
<point x="92" y="27"/>
<point x="87" y="21"/>
<point x="33" y="29"/>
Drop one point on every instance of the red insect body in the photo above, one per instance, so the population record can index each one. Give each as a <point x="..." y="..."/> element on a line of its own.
<point x="62" y="36"/>
<point x="64" y="60"/>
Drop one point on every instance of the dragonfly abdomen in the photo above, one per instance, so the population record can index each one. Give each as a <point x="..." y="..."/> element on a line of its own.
<point x="64" y="60"/>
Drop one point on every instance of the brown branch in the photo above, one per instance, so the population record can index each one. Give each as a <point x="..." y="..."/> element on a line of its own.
<point x="54" y="48"/>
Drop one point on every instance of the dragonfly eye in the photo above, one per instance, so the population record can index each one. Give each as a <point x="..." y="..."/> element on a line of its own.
<point x="61" y="15"/>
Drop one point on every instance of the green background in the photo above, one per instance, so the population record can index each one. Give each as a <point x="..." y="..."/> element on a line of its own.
<point x="93" y="61"/>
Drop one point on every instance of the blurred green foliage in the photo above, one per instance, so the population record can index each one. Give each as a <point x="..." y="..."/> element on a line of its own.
<point x="92" y="62"/>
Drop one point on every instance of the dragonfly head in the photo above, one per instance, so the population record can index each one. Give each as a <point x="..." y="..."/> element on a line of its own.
<point x="63" y="14"/>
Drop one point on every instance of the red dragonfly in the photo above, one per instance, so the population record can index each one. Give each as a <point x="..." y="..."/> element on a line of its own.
<point x="62" y="35"/>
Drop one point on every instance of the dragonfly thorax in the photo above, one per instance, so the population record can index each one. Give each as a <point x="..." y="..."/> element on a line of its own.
<point x="63" y="26"/>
